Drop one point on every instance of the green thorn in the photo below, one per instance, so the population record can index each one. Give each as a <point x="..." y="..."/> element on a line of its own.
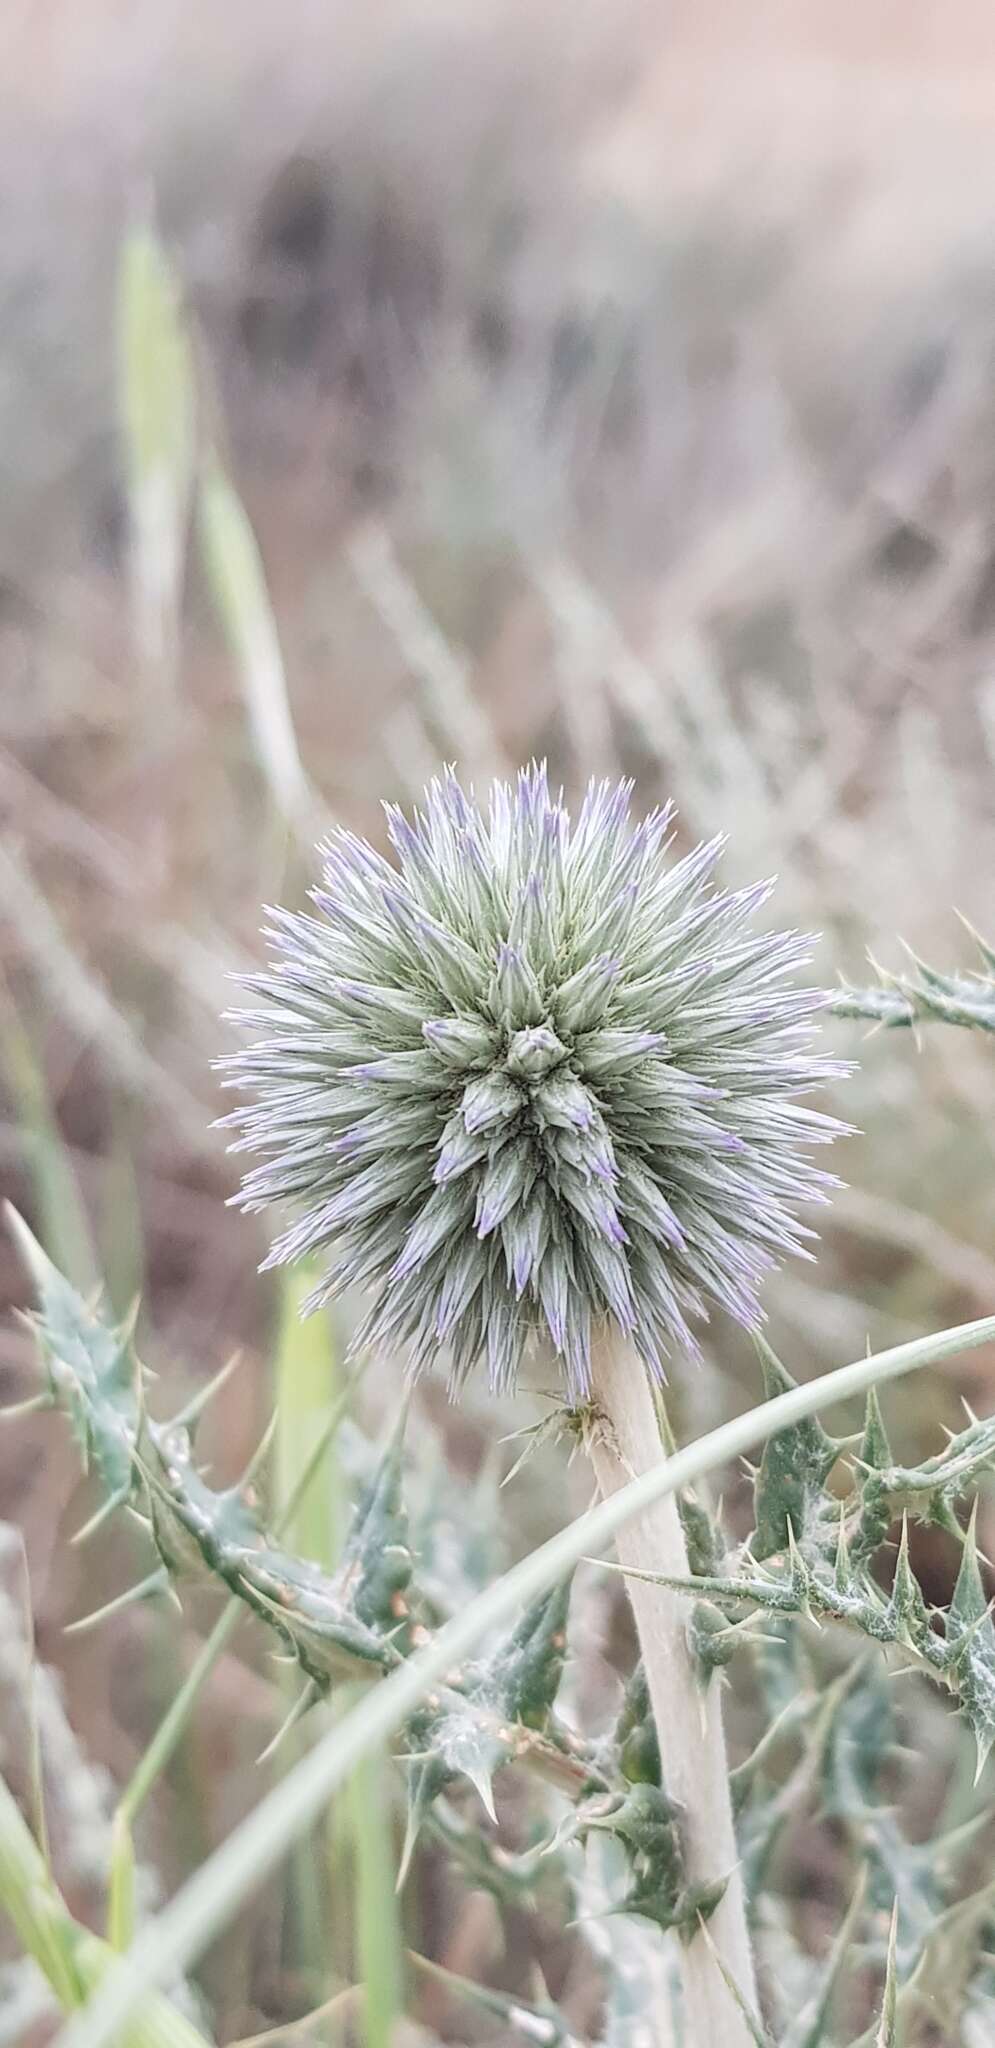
<point x="969" y="1607"/>
<point x="984" y="1751"/>
<point x="986" y="951"/>
<point x="202" y="1399"/>
<point x="156" y="1582"/>
<point x="101" y="1515"/>
<point x="482" y="1781"/>
<point x="302" y="1705"/>
<point x="418" y="1803"/>
<point x="875" y="1449"/>
<point x="259" y="1456"/>
<point x="27" y="1244"/>
<point x="798" y="1567"/>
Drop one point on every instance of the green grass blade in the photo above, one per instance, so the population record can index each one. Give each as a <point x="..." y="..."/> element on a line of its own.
<point x="208" y="1900"/>
<point x="316" y="1920"/>
<point x="157" y="408"/>
<point x="306" y="1371"/>
<point x="28" y="1897"/>
<point x="379" y="1945"/>
<point x="61" y="1212"/>
<point x="121" y="1886"/>
<point x="74" y="1961"/>
<point x="174" y="1721"/>
<point x="305" y="1389"/>
<point x="237" y="580"/>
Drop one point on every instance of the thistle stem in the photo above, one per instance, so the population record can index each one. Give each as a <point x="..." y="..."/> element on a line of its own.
<point x="689" y="1720"/>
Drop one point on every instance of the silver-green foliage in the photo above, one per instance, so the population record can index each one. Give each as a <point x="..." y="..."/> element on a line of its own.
<point x="923" y="995"/>
<point x="814" y="1551"/>
<point x="827" y="1749"/>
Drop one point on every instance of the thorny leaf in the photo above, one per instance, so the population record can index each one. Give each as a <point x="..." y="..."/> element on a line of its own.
<point x="924" y="994"/>
<point x="789" y="1490"/>
<point x="834" y="1744"/>
<point x="647" y="1822"/>
<point x="635" y="1737"/>
<point x="377" y="1564"/>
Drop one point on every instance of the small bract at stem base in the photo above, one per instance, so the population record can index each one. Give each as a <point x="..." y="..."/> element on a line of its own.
<point x="623" y="1444"/>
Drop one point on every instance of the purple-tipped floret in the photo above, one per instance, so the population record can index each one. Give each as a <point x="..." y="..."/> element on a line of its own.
<point x="532" y="1078"/>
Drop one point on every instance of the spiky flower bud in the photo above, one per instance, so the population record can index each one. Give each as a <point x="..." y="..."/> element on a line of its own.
<point x="530" y="1078"/>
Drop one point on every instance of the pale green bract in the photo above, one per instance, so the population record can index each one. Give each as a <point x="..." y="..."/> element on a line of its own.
<point x="533" y="1078"/>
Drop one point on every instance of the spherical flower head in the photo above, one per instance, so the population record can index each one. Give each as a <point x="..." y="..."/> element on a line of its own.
<point x="532" y="1079"/>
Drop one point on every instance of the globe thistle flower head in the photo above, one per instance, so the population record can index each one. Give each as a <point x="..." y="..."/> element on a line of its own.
<point x="530" y="1078"/>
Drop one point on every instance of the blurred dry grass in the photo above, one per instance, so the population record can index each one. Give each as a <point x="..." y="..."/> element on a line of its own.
<point x="608" y="388"/>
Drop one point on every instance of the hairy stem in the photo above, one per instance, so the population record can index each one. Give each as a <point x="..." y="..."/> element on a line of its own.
<point x="689" y="1720"/>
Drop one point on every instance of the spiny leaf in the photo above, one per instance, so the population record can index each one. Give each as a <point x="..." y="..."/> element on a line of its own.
<point x="969" y="1604"/>
<point x="874" y="1517"/>
<point x="908" y="999"/>
<point x="353" y="1620"/>
<point x="711" y="1637"/>
<point x="426" y="1776"/>
<point x="701" y="1534"/>
<point x="635" y="1735"/>
<point x="907" y="1610"/>
<point x="96" y="1379"/>
<point x="376" y="1560"/>
<point x="875" y="1448"/>
<point x="788" y="1489"/>
<point x="812" y="1589"/>
<point x="917" y="1878"/>
<point x="525" y="1671"/>
<point x="91" y="1367"/>
<point x="971" y="1637"/>
<point x="451" y="1737"/>
<point x="647" y="1822"/>
<point x="928" y="1491"/>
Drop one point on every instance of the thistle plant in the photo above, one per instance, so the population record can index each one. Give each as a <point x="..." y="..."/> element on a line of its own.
<point x="534" y="1087"/>
<point x="463" y="1706"/>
